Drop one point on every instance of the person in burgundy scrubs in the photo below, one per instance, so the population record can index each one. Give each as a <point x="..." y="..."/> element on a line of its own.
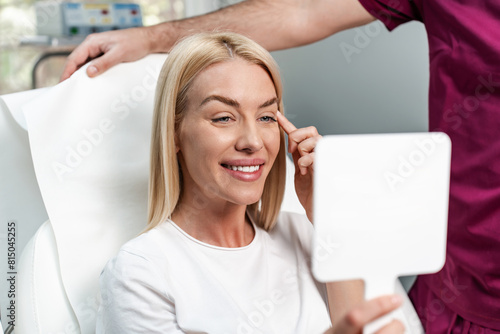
<point x="464" y="102"/>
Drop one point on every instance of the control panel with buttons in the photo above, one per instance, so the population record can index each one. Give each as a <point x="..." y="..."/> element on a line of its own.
<point x="80" y="19"/>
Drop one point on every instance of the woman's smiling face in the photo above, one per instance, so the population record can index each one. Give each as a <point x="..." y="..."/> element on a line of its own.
<point x="229" y="137"/>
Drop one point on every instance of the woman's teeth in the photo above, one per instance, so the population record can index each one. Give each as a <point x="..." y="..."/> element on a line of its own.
<point x="246" y="169"/>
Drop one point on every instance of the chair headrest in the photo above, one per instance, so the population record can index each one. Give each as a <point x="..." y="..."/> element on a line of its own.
<point x="89" y="139"/>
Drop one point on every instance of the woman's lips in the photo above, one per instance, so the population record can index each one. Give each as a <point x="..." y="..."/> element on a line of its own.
<point x="244" y="171"/>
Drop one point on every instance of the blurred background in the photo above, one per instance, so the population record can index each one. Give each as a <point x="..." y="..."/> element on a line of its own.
<point x="20" y="49"/>
<point x="364" y="80"/>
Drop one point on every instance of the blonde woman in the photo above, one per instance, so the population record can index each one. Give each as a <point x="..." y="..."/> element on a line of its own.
<point x="217" y="255"/>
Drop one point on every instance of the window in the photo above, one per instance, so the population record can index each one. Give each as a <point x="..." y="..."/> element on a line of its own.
<point x="17" y="59"/>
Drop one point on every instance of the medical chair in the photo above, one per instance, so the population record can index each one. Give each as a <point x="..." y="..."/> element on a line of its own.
<point x="84" y="134"/>
<point x="57" y="273"/>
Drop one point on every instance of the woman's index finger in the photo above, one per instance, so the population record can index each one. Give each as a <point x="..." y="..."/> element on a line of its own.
<point x="285" y="123"/>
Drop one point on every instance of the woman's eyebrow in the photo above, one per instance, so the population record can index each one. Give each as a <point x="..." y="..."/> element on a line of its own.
<point x="269" y="102"/>
<point x="225" y="100"/>
<point x="234" y="103"/>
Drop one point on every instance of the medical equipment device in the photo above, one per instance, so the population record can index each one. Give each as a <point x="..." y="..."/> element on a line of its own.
<point x="80" y="18"/>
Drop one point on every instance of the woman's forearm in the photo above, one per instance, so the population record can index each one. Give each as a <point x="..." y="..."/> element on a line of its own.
<point x="342" y="297"/>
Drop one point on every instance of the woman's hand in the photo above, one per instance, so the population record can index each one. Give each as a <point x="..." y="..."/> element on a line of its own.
<point x="361" y="315"/>
<point x="301" y="144"/>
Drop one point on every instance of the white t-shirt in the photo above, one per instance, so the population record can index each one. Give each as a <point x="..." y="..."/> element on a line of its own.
<point x="165" y="281"/>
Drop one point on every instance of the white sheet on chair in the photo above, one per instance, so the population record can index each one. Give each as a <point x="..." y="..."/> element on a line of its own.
<point x="90" y="145"/>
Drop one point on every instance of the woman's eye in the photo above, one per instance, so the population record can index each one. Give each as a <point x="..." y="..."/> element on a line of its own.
<point x="268" y="119"/>
<point x="224" y="119"/>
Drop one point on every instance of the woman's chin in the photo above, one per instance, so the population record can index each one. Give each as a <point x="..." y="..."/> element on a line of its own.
<point x="248" y="199"/>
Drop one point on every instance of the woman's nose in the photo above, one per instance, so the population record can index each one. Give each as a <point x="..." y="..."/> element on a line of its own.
<point x="249" y="139"/>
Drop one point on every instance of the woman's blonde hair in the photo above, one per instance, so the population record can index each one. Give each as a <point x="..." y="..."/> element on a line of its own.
<point x="186" y="60"/>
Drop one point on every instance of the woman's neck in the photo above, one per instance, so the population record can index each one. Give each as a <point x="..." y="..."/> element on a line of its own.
<point x="223" y="225"/>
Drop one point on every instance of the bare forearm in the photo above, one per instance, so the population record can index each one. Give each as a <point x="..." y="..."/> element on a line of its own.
<point x="263" y="21"/>
<point x="366" y="312"/>
<point x="342" y="297"/>
<point x="276" y="25"/>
